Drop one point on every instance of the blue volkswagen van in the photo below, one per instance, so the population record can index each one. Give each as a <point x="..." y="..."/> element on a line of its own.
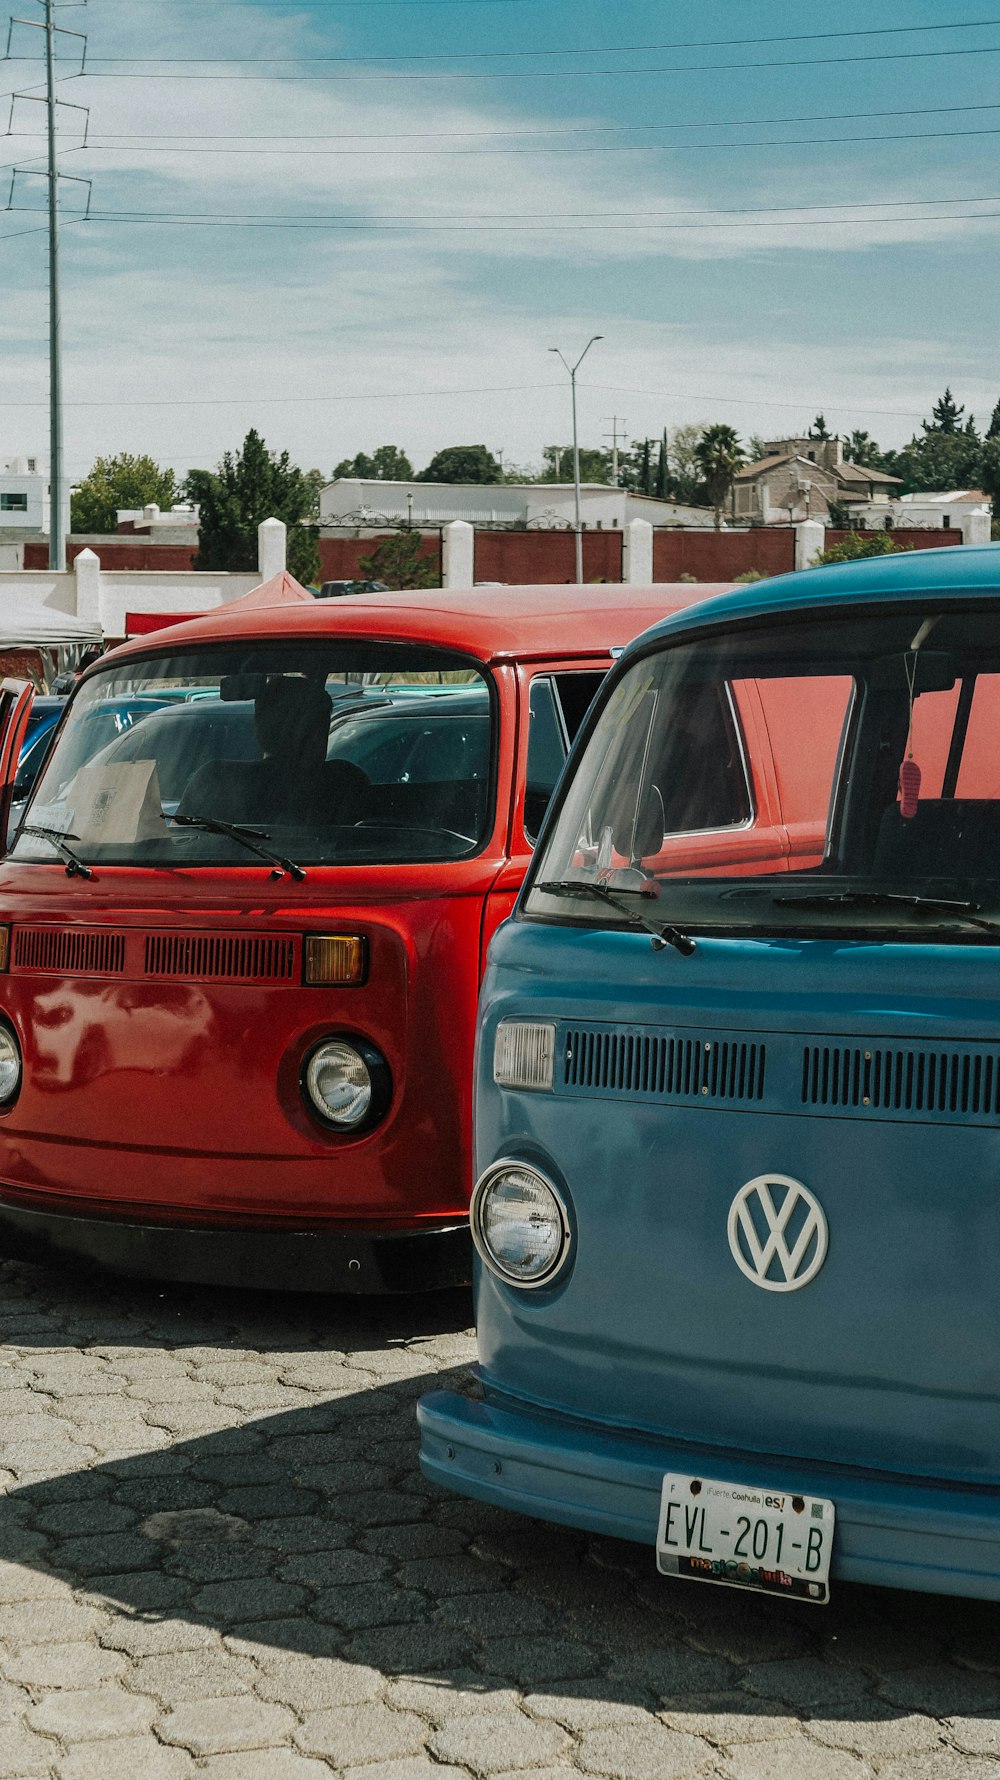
<point x="738" y="1101"/>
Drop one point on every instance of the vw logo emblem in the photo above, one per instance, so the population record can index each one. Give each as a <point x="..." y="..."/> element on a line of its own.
<point x="777" y="1233"/>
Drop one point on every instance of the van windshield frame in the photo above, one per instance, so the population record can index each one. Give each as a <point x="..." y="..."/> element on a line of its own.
<point x="330" y="751"/>
<point x="827" y="708"/>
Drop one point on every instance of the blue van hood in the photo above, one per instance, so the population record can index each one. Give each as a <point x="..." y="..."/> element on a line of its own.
<point x="883" y="1102"/>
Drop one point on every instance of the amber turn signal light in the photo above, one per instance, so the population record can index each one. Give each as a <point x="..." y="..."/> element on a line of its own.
<point x="4" y="947"/>
<point x="336" y="958"/>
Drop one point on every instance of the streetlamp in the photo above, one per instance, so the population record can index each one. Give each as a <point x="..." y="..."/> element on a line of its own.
<point x="573" y="369"/>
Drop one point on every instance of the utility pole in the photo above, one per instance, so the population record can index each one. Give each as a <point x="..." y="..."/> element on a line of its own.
<point x="57" y="537"/>
<point x="573" y="369"/>
<point x="617" y="420"/>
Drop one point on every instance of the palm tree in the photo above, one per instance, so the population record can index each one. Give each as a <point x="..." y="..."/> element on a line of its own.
<point x="719" y="455"/>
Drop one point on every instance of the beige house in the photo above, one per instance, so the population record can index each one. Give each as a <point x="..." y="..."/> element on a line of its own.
<point x="799" y="478"/>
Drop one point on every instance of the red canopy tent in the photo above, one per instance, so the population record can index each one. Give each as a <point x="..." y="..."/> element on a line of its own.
<point x="281" y="590"/>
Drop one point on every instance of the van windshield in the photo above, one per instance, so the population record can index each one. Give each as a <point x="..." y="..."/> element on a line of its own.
<point x="325" y="753"/>
<point x="824" y="772"/>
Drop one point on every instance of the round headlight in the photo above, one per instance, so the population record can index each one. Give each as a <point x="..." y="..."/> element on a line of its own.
<point x="339" y="1084"/>
<point x="519" y="1225"/>
<point x="10" y="1064"/>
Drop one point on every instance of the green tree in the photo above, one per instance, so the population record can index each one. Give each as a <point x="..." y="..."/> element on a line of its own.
<point x="662" y="489"/>
<point x="719" y="456"/>
<point x="462" y="463"/>
<point x="315" y="482"/>
<point x="946" y="415"/>
<point x="989" y="466"/>
<point x="114" y="482"/>
<point x="687" y="483"/>
<point x="756" y="448"/>
<point x="636" y="467"/>
<point x="595" y="464"/>
<point x="399" y="562"/>
<point x="819" y="428"/>
<point x="938" y="461"/>
<point x="861" y="448"/>
<point x="993" y="430"/>
<point x="388" y="463"/>
<point x="858" y="544"/>
<point x="247" y="487"/>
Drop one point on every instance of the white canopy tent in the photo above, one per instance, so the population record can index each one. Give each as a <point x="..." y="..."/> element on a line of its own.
<point x="26" y="625"/>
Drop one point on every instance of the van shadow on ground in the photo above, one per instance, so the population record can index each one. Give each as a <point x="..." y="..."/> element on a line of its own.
<point x="311" y="1530"/>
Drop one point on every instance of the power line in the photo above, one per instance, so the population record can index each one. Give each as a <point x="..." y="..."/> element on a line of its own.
<point x="159" y="220"/>
<point x="503" y="55"/>
<point x="388" y="395"/>
<point x="545" y="216"/>
<point x="916" y="55"/>
<point x="824" y="404"/>
<point x="604" y="149"/>
<point x="821" y="117"/>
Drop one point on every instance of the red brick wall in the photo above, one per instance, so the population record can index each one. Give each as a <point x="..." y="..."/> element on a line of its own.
<point x="546" y="557"/>
<point x="721" y="556"/>
<point x="340" y="558"/>
<point x="118" y="552"/>
<point x="912" y="537"/>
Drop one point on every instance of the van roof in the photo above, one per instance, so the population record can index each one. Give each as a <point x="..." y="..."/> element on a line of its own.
<point x="953" y="573"/>
<point x="490" y="623"/>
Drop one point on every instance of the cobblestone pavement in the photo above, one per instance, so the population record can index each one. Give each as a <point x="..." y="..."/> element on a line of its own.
<point x="218" y="1558"/>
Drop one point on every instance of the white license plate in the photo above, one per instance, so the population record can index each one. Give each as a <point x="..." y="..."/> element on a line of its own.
<point x="767" y="1540"/>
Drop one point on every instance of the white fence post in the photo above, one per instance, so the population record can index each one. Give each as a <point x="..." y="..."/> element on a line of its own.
<point x="271" y="547"/>
<point x="87" y="573"/>
<point x="810" y="536"/>
<point x="458" y="554"/>
<point x="637" y="553"/>
<point x="976" y="526"/>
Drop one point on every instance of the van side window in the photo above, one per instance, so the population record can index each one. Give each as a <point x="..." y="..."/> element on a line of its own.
<point x="701" y="776"/>
<point x="979" y="772"/>
<point x="557" y="705"/>
<point x="805" y="717"/>
<point x="547" y="750"/>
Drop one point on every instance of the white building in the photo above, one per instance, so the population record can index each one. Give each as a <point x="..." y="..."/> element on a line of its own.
<point x="351" y="503"/>
<point x="178" y="525"/>
<point x="24" y="502"/>
<point x="967" y="510"/>
<point x="24" y="495"/>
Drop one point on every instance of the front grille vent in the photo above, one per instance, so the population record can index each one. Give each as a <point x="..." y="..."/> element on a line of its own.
<point x="221" y="957"/>
<point x="76" y="951"/>
<point x="902" y="1080"/>
<point x="661" y="1065"/>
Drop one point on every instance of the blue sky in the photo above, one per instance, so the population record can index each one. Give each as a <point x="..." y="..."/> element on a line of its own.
<point x="374" y="224"/>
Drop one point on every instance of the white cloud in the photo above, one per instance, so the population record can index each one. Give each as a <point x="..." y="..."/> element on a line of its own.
<point x="299" y="333"/>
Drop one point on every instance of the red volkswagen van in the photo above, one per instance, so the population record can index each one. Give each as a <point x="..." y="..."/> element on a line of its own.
<point x="242" y="941"/>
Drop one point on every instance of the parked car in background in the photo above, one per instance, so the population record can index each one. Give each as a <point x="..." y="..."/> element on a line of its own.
<point x="245" y="938"/>
<point x="45" y="713"/>
<point x="738" y="1102"/>
<point x="331" y="590"/>
<point x="112" y="718"/>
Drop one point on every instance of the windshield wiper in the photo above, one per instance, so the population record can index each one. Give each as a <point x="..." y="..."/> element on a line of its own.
<point x="75" y="867"/>
<point x="888" y="899"/>
<point x="661" y="936"/>
<point x="247" y="837"/>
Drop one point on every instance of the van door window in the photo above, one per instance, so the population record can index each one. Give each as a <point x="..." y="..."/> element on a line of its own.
<point x="547" y="750"/>
<point x="557" y="705"/>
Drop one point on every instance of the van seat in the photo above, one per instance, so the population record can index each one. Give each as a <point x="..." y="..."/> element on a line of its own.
<point x="947" y="837"/>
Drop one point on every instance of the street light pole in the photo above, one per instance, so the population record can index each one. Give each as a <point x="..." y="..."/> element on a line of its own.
<point x="573" y="369"/>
